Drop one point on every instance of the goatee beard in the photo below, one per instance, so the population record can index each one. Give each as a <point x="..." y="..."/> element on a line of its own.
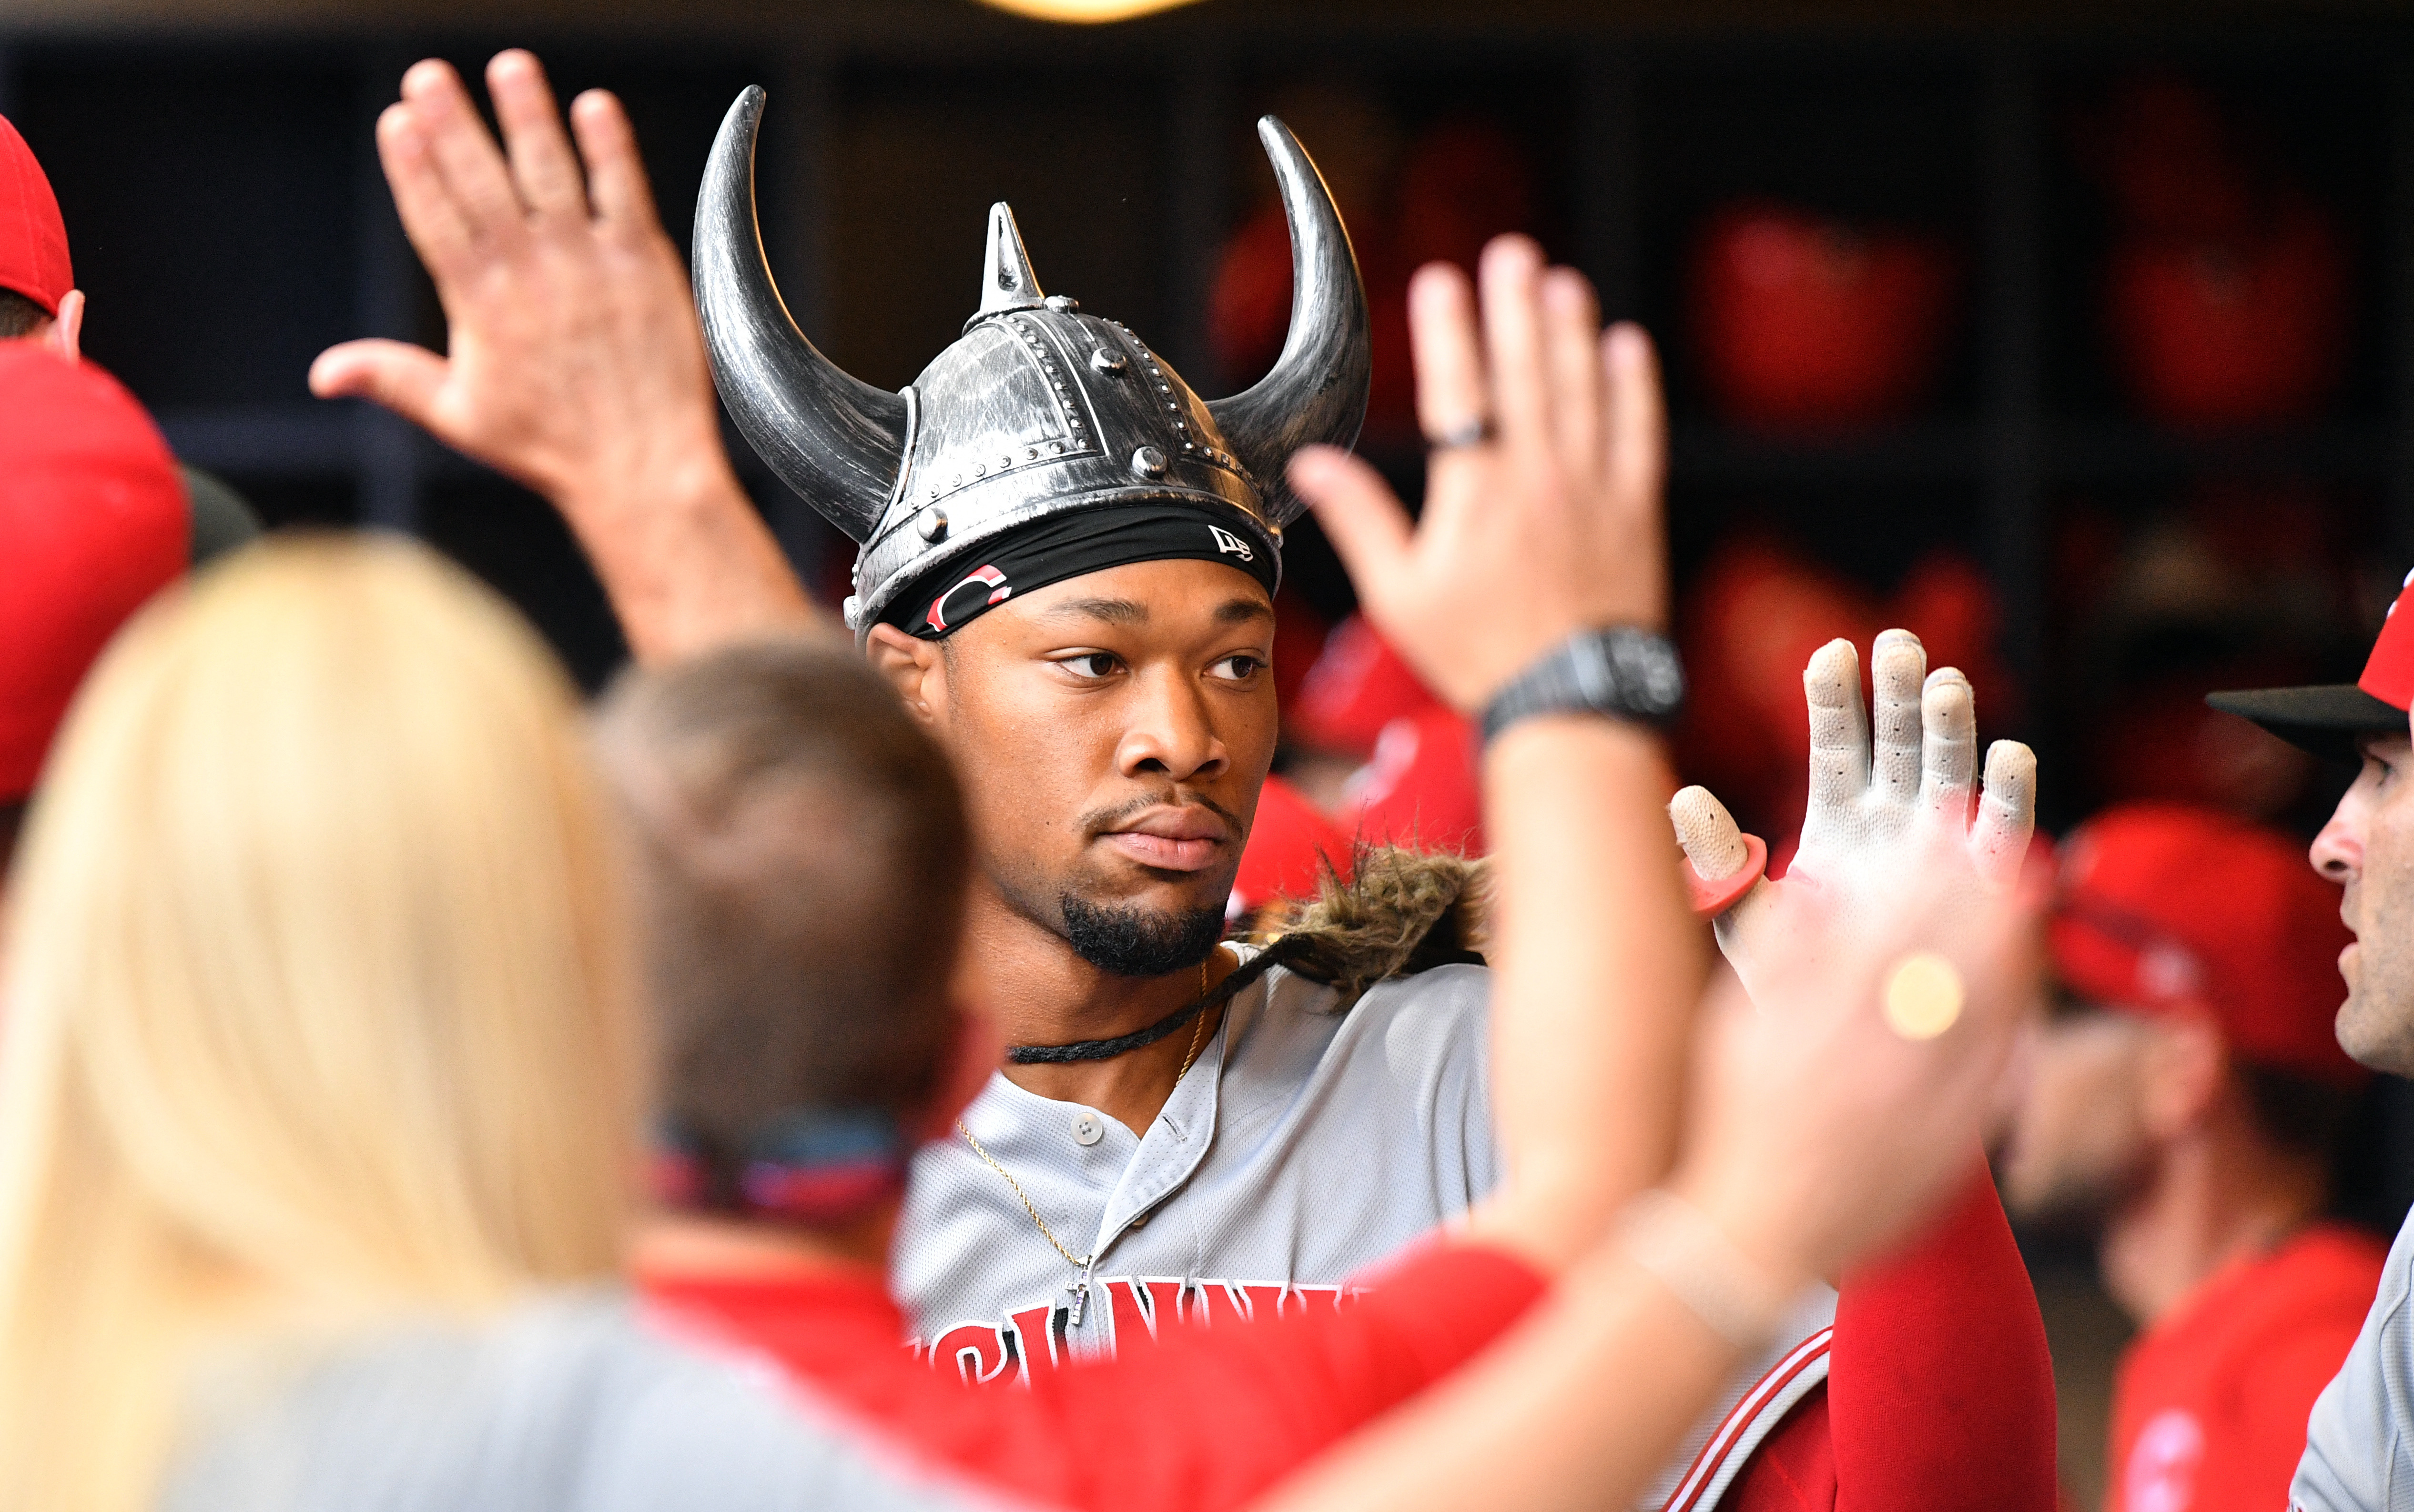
<point x="1137" y="941"/>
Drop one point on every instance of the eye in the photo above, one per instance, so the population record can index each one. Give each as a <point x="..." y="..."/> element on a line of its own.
<point x="1089" y="666"/>
<point x="1239" y="668"/>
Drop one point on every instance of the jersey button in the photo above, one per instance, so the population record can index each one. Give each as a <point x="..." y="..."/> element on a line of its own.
<point x="1088" y="1129"/>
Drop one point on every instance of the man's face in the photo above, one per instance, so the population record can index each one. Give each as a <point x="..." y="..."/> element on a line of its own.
<point x="2368" y="847"/>
<point x="1112" y="731"/>
<point x="2080" y="1139"/>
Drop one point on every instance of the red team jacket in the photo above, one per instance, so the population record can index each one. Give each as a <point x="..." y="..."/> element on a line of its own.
<point x="2209" y="1406"/>
<point x="1939" y="1396"/>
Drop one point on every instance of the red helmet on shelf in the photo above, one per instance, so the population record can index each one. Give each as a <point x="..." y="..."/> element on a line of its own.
<point x="1802" y="322"/>
<point x="2248" y="330"/>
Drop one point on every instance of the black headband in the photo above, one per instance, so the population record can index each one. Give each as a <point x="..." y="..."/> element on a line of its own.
<point x="1069" y="545"/>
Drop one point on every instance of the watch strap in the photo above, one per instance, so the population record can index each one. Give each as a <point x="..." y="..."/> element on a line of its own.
<point x="1622" y="673"/>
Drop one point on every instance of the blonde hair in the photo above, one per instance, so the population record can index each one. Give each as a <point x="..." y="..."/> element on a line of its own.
<point x="316" y="1007"/>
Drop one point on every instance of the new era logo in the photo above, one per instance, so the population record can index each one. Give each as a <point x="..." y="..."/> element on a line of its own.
<point x="1230" y="545"/>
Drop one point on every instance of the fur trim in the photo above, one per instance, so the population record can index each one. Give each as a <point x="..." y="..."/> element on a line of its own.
<point x="1401" y="912"/>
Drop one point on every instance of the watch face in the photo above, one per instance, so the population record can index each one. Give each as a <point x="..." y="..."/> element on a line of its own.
<point x="1625" y="673"/>
<point x="1648" y="672"/>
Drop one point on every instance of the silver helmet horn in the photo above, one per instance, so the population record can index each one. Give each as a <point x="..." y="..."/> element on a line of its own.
<point x="1037" y="410"/>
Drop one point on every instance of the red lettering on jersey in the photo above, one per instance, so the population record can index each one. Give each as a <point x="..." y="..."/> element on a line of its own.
<point x="1200" y="1299"/>
<point x="1319" y="1296"/>
<point x="979" y="1351"/>
<point x="1133" y="1307"/>
<point x="1035" y="1328"/>
<point x="982" y="1352"/>
<point x="1165" y="1298"/>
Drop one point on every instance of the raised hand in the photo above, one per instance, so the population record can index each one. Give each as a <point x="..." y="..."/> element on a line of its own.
<point x="1816" y="1133"/>
<point x="1833" y="1107"/>
<point x="1541" y="515"/>
<point x="1884" y="815"/>
<point x="1542" y="519"/>
<point x="574" y="362"/>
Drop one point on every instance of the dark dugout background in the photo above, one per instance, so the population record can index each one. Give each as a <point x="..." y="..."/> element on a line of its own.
<point x="2109" y="547"/>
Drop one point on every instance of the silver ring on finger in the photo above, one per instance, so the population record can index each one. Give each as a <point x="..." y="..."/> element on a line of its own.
<point x="1475" y="430"/>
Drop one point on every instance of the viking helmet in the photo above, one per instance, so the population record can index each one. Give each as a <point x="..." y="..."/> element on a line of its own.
<point x="1037" y="411"/>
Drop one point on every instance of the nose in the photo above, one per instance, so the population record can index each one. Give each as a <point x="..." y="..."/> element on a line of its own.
<point x="2337" y="851"/>
<point x="1171" y="734"/>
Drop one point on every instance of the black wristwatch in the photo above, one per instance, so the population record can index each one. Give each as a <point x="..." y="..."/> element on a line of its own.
<point x="1623" y="673"/>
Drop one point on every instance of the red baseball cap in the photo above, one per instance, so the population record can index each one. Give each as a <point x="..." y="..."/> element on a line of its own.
<point x="1422" y="789"/>
<point x="2326" y="719"/>
<point x="91" y="522"/>
<point x="33" y="238"/>
<point x="1291" y="843"/>
<point x="2165" y="907"/>
<point x="1356" y="686"/>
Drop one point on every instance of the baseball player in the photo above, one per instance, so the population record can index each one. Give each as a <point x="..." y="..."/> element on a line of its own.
<point x="2189" y="1096"/>
<point x="1067" y="572"/>
<point x="2359" y="1440"/>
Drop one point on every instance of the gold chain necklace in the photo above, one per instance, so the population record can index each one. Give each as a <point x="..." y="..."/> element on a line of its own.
<point x="1197" y="1029"/>
<point x="1080" y="1287"/>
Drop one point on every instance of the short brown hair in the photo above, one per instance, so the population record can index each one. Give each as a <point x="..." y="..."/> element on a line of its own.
<point x="18" y="315"/>
<point x="805" y="865"/>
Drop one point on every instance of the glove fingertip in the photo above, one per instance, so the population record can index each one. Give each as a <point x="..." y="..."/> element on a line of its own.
<point x="1707" y="832"/>
<point x="2011" y="773"/>
<point x="1948" y="698"/>
<point x="1833" y="677"/>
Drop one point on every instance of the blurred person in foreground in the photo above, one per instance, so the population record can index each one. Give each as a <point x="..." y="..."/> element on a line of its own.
<point x="574" y="362"/>
<point x="2359" y="1439"/>
<point x="92" y="524"/>
<point x="319" y="1082"/>
<point x="803" y="869"/>
<point x="318" y="1107"/>
<point x="40" y="305"/>
<point x="2190" y="1097"/>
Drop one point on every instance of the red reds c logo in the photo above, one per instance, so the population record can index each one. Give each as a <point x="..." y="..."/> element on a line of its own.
<point x="979" y="577"/>
<point x="2161" y="1473"/>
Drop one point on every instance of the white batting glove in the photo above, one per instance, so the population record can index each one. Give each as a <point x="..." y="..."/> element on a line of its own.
<point x="1885" y="819"/>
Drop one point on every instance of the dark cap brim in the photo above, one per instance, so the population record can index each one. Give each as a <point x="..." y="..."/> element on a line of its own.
<point x="2324" y="720"/>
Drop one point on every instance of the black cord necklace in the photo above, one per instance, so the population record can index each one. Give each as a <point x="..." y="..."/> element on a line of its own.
<point x="1249" y="971"/>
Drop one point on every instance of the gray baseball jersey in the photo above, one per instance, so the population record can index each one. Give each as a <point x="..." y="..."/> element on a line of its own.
<point x="2359" y="1440"/>
<point x="1310" y="1143"/>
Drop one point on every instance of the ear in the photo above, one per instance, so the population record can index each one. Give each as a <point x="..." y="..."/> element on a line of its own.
<point x="914" y="667"/>
<point x="2186" y="1067"/>
<point x="67" y="328"/>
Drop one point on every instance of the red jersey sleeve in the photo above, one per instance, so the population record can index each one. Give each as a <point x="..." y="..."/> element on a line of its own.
<point x="1793" y="1470"/>
<point x="1940" y="1390"/>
